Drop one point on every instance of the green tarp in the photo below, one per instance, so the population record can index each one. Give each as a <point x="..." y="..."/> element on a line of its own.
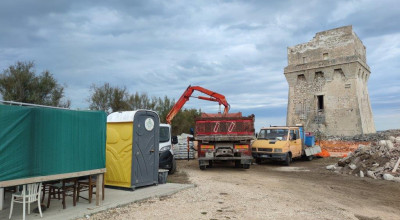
<point x="37" y="141"/>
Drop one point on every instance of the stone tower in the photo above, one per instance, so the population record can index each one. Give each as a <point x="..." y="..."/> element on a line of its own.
<point x="327" y="79"/>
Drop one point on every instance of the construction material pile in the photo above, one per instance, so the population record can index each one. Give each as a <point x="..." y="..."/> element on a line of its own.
<point x="180" y="149"/>
<point x="340" y="146"/>
<point x="378" y="160"/>
<point x="379" y="135"/>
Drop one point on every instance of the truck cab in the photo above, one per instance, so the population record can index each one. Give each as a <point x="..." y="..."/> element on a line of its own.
<point x="166" y="152"/>
<point x="282" y="144"/>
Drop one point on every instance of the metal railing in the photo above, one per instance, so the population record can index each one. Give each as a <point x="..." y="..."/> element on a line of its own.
<point x="33" y="105"/>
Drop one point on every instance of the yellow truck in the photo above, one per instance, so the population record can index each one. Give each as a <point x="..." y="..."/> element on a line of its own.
<point x="283" y="143"/>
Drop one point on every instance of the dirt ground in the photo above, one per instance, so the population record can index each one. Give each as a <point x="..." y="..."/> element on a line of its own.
<point x="305" y="190"/>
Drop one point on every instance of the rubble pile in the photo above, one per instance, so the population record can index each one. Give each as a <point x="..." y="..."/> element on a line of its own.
<point x="379" y="135"/>
<point x="376" y="160"/>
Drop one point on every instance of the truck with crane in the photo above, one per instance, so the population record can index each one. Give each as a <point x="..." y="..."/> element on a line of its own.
<point x="222" y="136"/>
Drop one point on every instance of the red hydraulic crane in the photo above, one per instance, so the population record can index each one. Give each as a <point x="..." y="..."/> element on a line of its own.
<point x="214" y="97"/>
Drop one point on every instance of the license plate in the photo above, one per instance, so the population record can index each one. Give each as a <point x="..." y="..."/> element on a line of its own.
<point x="209" y="154"/>
<point x="265" y="156"/>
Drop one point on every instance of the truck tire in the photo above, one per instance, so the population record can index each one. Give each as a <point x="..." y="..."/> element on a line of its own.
<point x="288" y="159"/>
<point x="210" y="164"/>
<point x="246" y="166"/>
<point x="237" y="164"/>
<point x="173" y="167"/>
<point x="202" y="167"/>
<point x="258" y="160"/>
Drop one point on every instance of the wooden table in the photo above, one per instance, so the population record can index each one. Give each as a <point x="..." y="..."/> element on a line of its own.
<point x="99" y="182"/>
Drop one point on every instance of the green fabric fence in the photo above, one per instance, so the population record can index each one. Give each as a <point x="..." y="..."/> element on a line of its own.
<point x="37" y="141"/>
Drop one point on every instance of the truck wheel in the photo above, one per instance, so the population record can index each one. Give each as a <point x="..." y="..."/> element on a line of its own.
<point x="237" y="164"/>
<point x="258" y="160"/>
<point x="173" y="167"/>
<point x="210" y="164"/>
<point x="246" y="166"/>
<point x="201" y="166"/>
<point x="288" y="159"/>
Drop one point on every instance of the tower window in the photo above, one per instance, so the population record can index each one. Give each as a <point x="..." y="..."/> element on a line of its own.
<point x="319" y="74"/>
<point x="325" y="55"/>
<point x="301" y="77"/>
<point x="320" y="102"/>
<point x="304" y="59"/>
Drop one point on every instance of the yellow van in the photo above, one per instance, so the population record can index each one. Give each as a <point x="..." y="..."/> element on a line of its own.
<point x="282" y="144"/>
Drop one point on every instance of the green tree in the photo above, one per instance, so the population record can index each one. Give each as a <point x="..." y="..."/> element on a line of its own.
<point x="108" y="98"/>
<point x="142" y="101"/>
<point x="118" y="100"/>
<point x="163" y="107"/>
<point x="111" y="99"/>
<point x="184" y="121"/>
<point x="20" y="83"/>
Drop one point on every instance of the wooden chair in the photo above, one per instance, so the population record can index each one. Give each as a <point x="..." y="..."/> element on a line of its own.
<point x="87" y="184"/>
<point x="46" y="188"/>
<point x="66" y="187"/>
<point x="30" y="193"/>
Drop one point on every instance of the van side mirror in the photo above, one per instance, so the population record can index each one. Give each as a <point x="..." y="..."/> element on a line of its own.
<point x="174" y="139"/>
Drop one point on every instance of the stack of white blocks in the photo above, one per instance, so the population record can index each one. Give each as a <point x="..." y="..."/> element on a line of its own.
<point x="180" y="149"/>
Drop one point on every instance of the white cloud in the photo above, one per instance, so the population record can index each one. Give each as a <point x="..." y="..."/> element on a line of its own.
<point x="236" y="48"/>
<point x="387" y="119"/>
<point x="386" y="48"/>
<point x="269" y="121"/>
<point x="347" y="8"/>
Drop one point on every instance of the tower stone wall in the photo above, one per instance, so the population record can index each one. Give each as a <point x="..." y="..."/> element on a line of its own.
<point x="327" y="79"/>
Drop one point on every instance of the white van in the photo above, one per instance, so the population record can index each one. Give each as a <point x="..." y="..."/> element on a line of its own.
<point x="166" y="153"/>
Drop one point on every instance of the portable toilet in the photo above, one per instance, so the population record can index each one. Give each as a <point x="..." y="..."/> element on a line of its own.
<point x="132" y="149"/>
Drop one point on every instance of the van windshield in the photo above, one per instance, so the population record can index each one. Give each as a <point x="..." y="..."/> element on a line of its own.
<point x="273" y="134"/>
<point x="164" y="134"/>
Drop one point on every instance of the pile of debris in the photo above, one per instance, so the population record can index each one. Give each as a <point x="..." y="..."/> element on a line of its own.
<point x="379" y="135"/>
<point x="379" y="160"/>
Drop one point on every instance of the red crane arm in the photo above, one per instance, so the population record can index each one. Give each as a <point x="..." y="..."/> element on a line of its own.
<point x="214" y="97"/>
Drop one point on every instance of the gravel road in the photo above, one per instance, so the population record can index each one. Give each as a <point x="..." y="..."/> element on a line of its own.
<point x="305" y="190"/>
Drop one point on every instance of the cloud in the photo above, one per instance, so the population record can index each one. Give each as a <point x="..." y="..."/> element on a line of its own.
<point x="386" y="48"/>
<point x="345" y="9"/>
<point x="367" y="17"/>
<point x="236" y="48"/>
<point x="387" y="119"/>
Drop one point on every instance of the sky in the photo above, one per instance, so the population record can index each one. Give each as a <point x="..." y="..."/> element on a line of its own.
<point x="235" y="48"/>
